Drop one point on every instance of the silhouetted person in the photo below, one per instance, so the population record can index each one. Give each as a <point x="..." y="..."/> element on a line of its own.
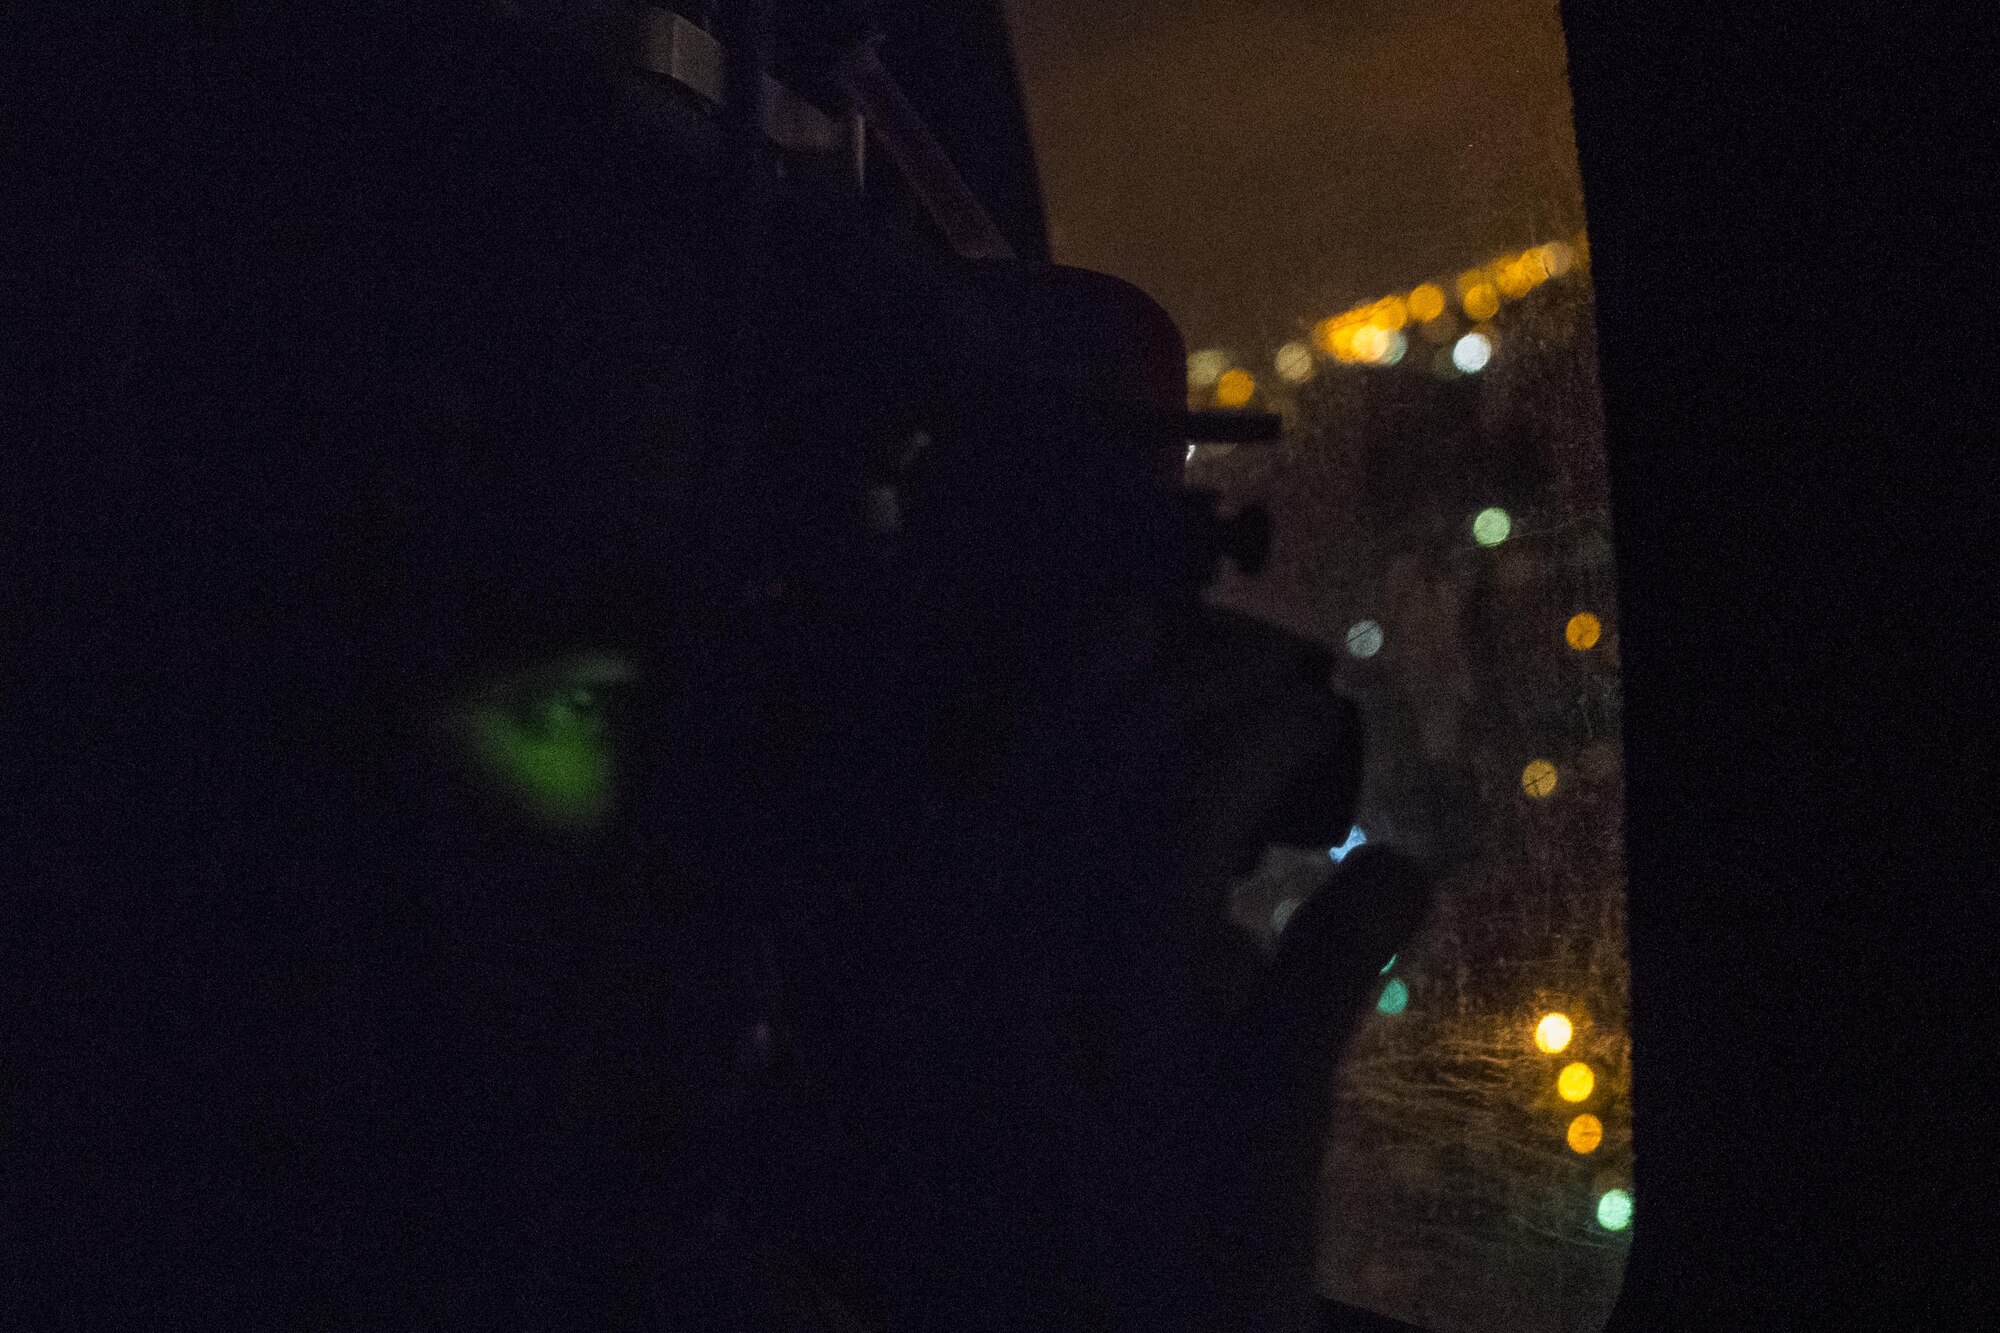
<point x="440" y="898"/>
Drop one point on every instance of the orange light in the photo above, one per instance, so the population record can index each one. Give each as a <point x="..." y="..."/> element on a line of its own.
<point x="1585" y="1133"/>
<point x="1330" y="332"/>
<point x="1389" y="313"/>
<point x="1426" y="302"/>
<point x="1534" y="265"/>
<point x="1575" y="1082"/>
<point x="1481" y="301"/>
<point x="1511" y="279"/>
<point x="1583" y="631"/>
<point x="1371" y="342"/>
<point x="1234" y="388"/>
<point x="1552" y="1034"/>
<point x="1538" y="779"/>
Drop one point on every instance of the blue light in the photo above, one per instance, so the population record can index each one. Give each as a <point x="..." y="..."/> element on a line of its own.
<point x="1391" y="963"/>
<point x="1395" y="997"/>
<point x="1364" y="638"/>
<point x="1355" y="837"/>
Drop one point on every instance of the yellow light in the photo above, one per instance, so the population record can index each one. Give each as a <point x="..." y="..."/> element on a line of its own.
<point x="1585" y="1133"/>
<point x="1534" y="265"/>
<point x="1538" y="779"/>
<point x="1552" y="1034"/>
<point x="1329" y="333"/>
<point x="1555" y="258"/>
<point x="1390" y="313"/>
<point x="1575" y="1082"/>
<point x="1294" y="362"/>
<point x="1234" y="388"/>
<point x="1472" y="277"/>
<point x="1371" y="342"/>
<point x="1583" y="631"/>
<point x="1426" y="302"/>
<point x="1481" y="302"/>
<point x="1512" y="281"/>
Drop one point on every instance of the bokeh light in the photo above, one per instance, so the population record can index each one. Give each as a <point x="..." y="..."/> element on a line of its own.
<point x="1552" y="1034"/>
<point x="1283" y="913"/>
<point x="1585" y="1133"/>
<point x="1614" y="1210"/>
<point x="1395" y="997"/>
<point x="1470" y="353"/>
<point x="1190" y="454"/>
<point x="1391" y="313"/>
<point x="1294" y="363"/>
<point x="1512" y="279"/>
<point x="1206" y="366"/>
<point x="1583" y="631"/>
<point x="1399" y="343"/>
<point x="1371" y="342"/>
<point x="1391" y="963"/>
<point x="1556" y="258"/>
<point x="1426" y="302"/>
<point x="1491" y="526"/>
<point x="1234" y="388"/>
<point x="1538" y="779"/>
<point x="1364" y="638"/>
<point x="1355" y="838"/>
<point x="1575" y="1082"/>
<point x="1482" y="302"/>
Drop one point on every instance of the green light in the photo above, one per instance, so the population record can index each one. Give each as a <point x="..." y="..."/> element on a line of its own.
<point x="1395" y="997"/>
<point x="1491" y="527"/>
<point x="1391" y="963"/>
<point x="1614" y="1210"/>
<point x="543" y="739"/>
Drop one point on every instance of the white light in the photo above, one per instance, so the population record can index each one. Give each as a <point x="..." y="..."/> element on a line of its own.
<point x="1190" y="454"/>
<point x="1364" y="638"/>
<point x="1295" y="363"/>
<point x="1206" y="366"/>
<point x="1471" y="353"/>
<point x="1399" y="343"/>
<point x="1283" y="913"/>
<point x="1355" y="838"/>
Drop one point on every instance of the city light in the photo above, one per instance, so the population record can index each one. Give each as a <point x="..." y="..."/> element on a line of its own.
<point x="1391" y="313"/>
<point x="1614" y="1210"/>
<point x="1583" y="631"/>
<point x="1399" y="343"/>
<point x="1575" y="1082"/>
<point x="1426" y="302"/>
<point x="1585" y="1133"/>
<point x="1395" y="997"/>
<point x="1355" y="838"/>
<point x="1538" y="779"/>
<point x="1206" y="366"/>
<point x="1294" y="363"/>
<point x="1234" y="388"/>
<point x="1552" y="1034"/>
<point x="1491" y="526"/>
<point x="1471" y="353"/>
<point x="1364" y="638"/>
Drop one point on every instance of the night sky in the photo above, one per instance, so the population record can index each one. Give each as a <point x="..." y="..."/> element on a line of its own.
<point x="1256" y="164"/>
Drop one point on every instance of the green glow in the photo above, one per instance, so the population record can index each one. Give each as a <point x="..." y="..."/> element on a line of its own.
<point x="1491" y="527"/>
<point x="1391" y="963"/>
<point x="1614" y="1210"/>
<point x="543" y="739"/>
<point x="1395" y="997"/>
